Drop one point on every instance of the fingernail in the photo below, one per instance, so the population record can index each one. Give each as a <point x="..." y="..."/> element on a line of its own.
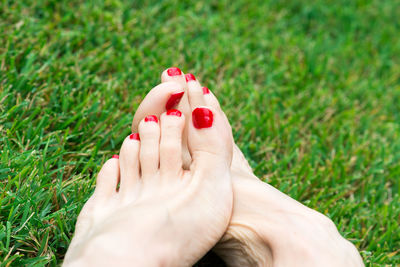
<point x="174" y="71"/>
<point x="206" y="90"/>
<point x="202" y="118"/>
<point x="151" y="118"/>
<point x="189" y="77"/>
<point x="174" y="112"/>
<point x="115" y="157"/>
<point x="173" y="100"/>
<point x="134" y="136"/>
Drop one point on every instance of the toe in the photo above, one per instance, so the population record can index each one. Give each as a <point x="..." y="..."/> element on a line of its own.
<point x="172" y="124"/>
<point x="210" y="98"/>
<point x="129" y="163"/>
<point x="213" y="102"/>
<point x="173" y="74"/>
<point x="209" y="133"/>
<point x="206" y="119"/>
<point x="195" y="91"/>
<point x="156" y="101"/>
<point x="161" y="98"/>
<point x="238" y="159"/>
<point x="149" y="131"/>
<point x="210" y="145"/>
<point x="209" y="130"/>
<point x="107" y="179"/>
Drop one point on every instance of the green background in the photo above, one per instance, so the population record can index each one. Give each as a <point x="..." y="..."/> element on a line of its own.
<point x="312" y="90"/>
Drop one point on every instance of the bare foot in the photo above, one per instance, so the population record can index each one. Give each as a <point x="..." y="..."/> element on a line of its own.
<point x="267" y="228"/>
<point x="161" y="215"/>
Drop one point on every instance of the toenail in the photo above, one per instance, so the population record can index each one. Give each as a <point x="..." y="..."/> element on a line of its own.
<point x="115" y="157"/>
<point x="134" y="136"/>
<point x="189" y="77"/>
<point x="206" y="90"/>
<point x="174" y="112"/>
<point x="174" y="71"/>
<point x="173" y="100"/>
<point x="151" y="118"/>
<point x="202" y="118"/>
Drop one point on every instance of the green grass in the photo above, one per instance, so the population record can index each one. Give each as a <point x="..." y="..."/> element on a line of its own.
<point x="312" y="89"/>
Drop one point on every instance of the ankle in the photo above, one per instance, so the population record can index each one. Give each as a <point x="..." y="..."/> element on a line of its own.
<point x="309" y="236"/>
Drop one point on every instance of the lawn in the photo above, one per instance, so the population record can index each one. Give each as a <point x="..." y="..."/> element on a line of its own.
<point x="312" y="89"/>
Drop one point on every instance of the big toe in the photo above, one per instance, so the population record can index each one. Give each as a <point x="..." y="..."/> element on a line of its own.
<point x="168" y="95"/>
<point x="210" y="138"/>
<point x="173" y="74"/>
<point x="161" y="98"/>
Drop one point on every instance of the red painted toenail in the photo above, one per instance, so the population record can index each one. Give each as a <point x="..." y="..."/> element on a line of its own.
<point x="115" y="157"/>
<point x="174" y="112"/>
<point x="202" y="118"/>
<point x="173" y="100"/>
<point x="134" y="136"/>
<point x="189" y="77"/>
<point x="206" y="90"/>
<point x="174" y="71"/>
<point x="151" y="118"/>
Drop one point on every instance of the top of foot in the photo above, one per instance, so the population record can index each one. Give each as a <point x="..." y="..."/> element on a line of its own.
<point x="159" y="209"/>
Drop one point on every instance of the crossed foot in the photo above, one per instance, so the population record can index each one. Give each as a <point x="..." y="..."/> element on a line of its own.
<point x="174" y="200"/>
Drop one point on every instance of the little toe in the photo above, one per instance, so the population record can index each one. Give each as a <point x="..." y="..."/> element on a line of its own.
<point x="161" y="98"/>
<point x="149" y="131"/>
<point x="129" y="163"/>
<point x="108" y="178"/>
<point x="172" y="124"/>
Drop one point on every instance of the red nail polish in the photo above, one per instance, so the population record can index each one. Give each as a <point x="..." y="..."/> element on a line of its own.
<point x="115" y="157"/>
<point x="151" y="118"/>
<point x="173" y="100"/>
<point x="202" y="118"/>
<point x="189" y="77"/>
<point x="134" y="136"/>
<point x="174" y="71"/>
<point x="174" y="112"/>
<point x="206" y="90"/>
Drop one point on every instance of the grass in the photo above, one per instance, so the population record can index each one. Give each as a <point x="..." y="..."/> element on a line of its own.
<point x="312" y="90"/>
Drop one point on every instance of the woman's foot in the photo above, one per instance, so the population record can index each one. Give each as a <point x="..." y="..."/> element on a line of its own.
<point x="159" y="214"/>
<point x="267" y="227"/>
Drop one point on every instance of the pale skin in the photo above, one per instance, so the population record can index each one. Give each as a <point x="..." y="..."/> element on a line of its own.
<point x="150" y="220"/>
<point x="159" y="210"/>
<point x="267" y="228"/>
